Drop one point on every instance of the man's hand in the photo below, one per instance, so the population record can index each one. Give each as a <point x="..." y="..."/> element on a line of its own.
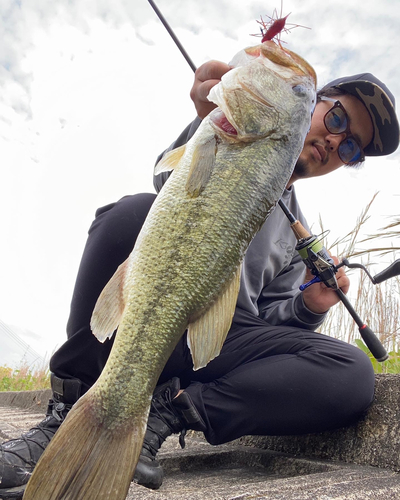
<point x="206" y="76"/>
<point x="318" y="297"/>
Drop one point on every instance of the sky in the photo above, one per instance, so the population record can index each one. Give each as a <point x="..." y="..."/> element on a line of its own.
<point x="92" y="91"/>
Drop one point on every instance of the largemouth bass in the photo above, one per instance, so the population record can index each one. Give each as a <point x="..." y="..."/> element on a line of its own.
<point x="184" y="270"/>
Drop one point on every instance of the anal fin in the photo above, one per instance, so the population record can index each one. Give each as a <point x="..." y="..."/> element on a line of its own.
<point x="208" y="333"/>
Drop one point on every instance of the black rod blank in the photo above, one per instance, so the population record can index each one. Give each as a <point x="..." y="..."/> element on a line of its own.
<point x="173" y="36"/>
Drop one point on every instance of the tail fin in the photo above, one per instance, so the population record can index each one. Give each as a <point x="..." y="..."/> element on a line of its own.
<point x="85" y="460"/>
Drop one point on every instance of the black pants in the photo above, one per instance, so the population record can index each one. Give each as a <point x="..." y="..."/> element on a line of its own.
<point x="268" y="380"/>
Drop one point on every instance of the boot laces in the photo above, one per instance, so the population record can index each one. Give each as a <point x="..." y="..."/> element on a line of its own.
<point x="55" y="410"/>
<point x="158" y="409"/>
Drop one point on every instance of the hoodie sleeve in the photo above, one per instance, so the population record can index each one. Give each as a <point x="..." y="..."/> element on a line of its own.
<point x="281" y="302"/>
<point x="273" y="271"/>
<point x="160" y="179"/>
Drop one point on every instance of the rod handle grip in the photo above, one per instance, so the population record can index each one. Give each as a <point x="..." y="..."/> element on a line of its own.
<point x="299" y="230"/>
<point x="373" y="343"/>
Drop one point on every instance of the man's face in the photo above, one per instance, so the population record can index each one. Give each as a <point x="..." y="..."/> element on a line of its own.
<point x="319" y="155"/>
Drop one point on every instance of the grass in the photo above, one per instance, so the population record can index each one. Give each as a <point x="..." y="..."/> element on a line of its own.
<point x="24" y="378"/>
<point x="377" y="305"/>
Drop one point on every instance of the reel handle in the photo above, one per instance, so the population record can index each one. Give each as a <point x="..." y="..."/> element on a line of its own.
<point x="389" y="272"/>
<point x="327" y="276"/>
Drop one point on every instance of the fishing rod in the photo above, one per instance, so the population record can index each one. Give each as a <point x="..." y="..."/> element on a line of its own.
<point x="317" y="259"/>
<point x="312" y="251"/>
<point x="173" y="36"/>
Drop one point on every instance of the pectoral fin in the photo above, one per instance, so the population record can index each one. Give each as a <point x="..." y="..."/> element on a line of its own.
<point x="110" y="306"/>
<point x="206" y="335"/>
<point x="203" y="160"/>
<point x="170" y="160"/>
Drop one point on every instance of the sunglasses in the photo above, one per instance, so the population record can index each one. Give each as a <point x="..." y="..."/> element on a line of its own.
<point x="336" y="121"/>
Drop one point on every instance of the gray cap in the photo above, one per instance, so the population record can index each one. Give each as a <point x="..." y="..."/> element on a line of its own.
<point x="380" y="104"/>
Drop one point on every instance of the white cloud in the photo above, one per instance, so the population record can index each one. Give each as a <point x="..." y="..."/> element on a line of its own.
<point x="91" y="92"/>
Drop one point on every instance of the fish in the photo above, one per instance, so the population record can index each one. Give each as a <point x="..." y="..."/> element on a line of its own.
<point x="184" y="271"/>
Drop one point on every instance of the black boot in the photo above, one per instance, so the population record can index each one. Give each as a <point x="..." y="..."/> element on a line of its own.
<point x="18" y="457"/>
<point x="169" y="414"/>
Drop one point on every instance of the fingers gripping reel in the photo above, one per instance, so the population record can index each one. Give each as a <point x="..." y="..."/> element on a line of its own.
<point x="322" y="266"/>
<point x="318" y="260"/>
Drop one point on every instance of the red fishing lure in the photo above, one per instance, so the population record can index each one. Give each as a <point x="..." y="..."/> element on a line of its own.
<point x="272" y="29"/>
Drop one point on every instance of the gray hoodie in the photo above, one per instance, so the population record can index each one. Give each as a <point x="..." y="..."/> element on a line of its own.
<point x="272" y="270"/>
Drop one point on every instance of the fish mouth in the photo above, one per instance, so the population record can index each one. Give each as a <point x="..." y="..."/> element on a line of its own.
<point x="219" y="120"/>
<point x="287" y="60"/>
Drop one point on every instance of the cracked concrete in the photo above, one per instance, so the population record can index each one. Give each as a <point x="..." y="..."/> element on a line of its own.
<point x="356" y="463"/>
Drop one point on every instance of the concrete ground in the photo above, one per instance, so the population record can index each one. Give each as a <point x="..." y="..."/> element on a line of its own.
<point x="233" y="471"/>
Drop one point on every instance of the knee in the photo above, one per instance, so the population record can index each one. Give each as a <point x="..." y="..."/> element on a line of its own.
<point x="344" y="385"/>
<point x="124" y="219"/>
<point x="358" y="385"/>
<point x="131" y="208"/>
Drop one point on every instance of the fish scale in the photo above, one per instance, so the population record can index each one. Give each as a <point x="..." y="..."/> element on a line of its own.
<point x="183" y="273"/>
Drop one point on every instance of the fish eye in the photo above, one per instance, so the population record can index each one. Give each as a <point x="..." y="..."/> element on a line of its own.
<point x="299" y="90"/>
<point x="303" y="91"/>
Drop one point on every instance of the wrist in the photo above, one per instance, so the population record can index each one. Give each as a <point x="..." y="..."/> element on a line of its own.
<point x="306" y="315"/>
<point x="313" y="305"/>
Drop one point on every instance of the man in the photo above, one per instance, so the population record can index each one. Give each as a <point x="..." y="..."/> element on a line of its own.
<point x="274" y="375"/>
